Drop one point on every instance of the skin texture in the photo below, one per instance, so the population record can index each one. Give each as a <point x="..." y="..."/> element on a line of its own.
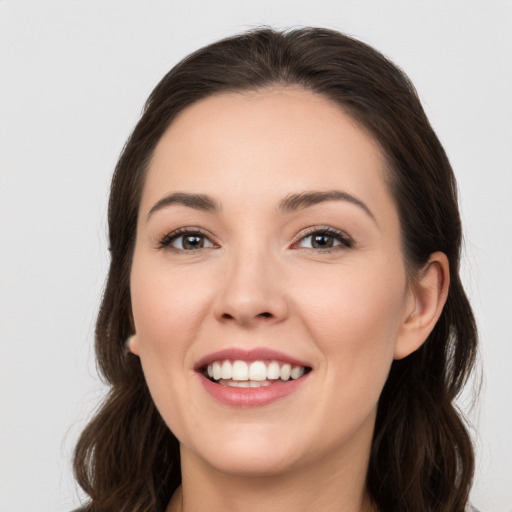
<point x="259" y="282"/>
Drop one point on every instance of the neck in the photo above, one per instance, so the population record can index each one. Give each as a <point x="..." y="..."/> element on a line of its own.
<point x="336" y="487"/>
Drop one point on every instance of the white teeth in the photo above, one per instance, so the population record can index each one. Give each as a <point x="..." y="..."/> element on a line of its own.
<point x="227" y="370"/>
<point x="252" y="374"/>
<point x="297" y="372"/>
<point x="286" y="371"/>
<point x="273" y="371"/>
<point x="240" y="371"/>
<point x="257" y="371"/>
<point x="217" y="370"/>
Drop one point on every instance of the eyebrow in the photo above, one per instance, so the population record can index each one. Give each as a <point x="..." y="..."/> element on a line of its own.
<point x="196" y="201"/>
<point x="290" y="203"/>
<point x="294" y="202"/>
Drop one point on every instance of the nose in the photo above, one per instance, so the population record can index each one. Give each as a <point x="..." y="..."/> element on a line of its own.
<point x="251" y="291"/>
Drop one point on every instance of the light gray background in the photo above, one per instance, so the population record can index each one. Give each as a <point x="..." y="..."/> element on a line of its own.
<point x="74" y="76"/>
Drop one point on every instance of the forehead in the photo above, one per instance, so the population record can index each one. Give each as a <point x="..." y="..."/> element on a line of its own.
<point x="262" y="144"/>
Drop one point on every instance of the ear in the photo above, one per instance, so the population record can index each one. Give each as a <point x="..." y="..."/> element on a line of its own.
<point x="428" y="293"/>
<point x="132" y="344"/>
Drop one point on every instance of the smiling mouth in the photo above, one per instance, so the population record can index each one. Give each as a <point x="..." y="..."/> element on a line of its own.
<point x="252" y="374"/>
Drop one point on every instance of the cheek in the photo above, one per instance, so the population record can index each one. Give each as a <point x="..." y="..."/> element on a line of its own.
<point x="355" y="322"/>
<point x="167" y="311"/>
<point x="355" y="318"/>
<point x="167" y="308"/>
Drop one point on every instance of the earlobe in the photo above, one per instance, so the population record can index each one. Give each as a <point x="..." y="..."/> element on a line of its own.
<point x="132" y="344"/>
<point x="429" y="293"/>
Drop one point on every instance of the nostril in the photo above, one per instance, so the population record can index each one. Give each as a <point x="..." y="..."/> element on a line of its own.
<point x="266" y="314"/>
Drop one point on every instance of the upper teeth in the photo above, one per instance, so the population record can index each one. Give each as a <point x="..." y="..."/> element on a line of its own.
<point x="255" y="370"/>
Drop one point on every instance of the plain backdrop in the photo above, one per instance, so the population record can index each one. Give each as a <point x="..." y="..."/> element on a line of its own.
<point x="73" y="79"/>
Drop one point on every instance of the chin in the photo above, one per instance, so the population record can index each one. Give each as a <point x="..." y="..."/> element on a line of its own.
<point x="251" y="463"/>
<point x="248" y="454"/>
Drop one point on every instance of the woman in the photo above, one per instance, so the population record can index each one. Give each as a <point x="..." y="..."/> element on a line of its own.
<point x="283" y="325"/>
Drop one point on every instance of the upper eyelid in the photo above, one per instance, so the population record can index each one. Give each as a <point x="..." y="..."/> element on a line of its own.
<point x="323" y="229"/>
<point x="165" y="240"/>
<point x="304" y="233"/>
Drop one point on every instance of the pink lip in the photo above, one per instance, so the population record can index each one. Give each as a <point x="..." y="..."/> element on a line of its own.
<point x="251" y="397"/>
<point x="254" y="354"/>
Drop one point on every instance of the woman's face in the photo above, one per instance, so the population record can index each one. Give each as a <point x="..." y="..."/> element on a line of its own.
<point x="267" y="238"/>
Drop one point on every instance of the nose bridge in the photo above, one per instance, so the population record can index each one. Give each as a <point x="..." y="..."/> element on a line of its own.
<point x="251" y="289"/>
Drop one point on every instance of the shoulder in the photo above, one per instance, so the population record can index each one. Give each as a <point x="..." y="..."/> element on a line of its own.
<point x="470" y="508"/>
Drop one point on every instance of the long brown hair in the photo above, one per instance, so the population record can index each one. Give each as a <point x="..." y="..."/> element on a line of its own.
<point x="421" y="458"/>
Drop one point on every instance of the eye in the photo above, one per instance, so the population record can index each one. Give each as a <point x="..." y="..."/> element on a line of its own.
<point x="186" y="240"/>
<point x="325" y="239"/>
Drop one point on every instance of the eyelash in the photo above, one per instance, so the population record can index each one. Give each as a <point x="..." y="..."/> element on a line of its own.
<point x="167" y="240"/>
<point x="345" y="242"/>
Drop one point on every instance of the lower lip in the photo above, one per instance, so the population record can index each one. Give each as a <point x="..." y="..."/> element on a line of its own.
<point x="251" y="397"/>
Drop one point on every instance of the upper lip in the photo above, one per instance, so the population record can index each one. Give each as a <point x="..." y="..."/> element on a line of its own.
<point x="253" y="354"/>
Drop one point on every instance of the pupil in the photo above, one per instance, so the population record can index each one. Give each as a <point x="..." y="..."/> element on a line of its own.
<point x="193" y="242"/>
<point x="322" y="241"/>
